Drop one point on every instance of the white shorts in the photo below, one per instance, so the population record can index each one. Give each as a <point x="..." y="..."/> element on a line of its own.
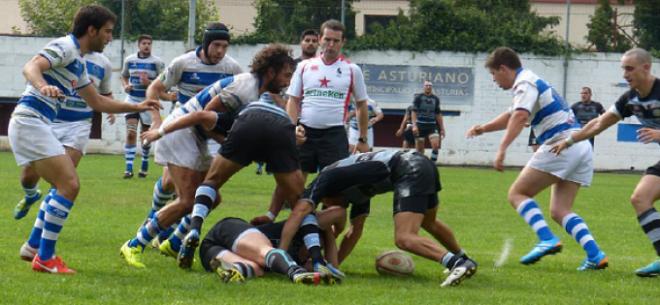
<point x="31" y="139"/>
<point x="182" y="148"/>
<point x="73" y="134"/>
<point x="573" y="164"/>
<point x="354" y="134"/>
<point x="214" y="147"/>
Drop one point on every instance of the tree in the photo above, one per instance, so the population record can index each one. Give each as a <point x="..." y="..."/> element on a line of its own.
<point x="465" y="26"/>
<point x="163" y="19"/>
<point x="284" y="20"/>
<point x="647" y="24"/>
<point x="604" y="32"/>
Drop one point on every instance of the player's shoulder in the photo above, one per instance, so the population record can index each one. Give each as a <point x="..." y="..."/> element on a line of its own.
<point x="185" y="58"/>
<point x="131" y="57"/>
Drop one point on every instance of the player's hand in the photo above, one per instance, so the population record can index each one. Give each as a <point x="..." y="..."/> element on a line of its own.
<point x="474" y="131"/>
<point x="260" y="220"/>
<point x="128" y="88"/>
<point x="559" y="148"/>
<point x="372" y="122"/>
<point x="361" y="148"/>
<point x="51" y="91"/>
<point x="149" y="105"/>
<point x="149" y="136"/>
<point x="415" y="130"/>
<point x="111" y="119"/>
<point x="399" y="132"/>
<point x="648" y="135"/>
<point x="171" y="96"/>
<point x="442" y="134"/>
<point x="498" y="164"/>
<point x="300" y="135"/>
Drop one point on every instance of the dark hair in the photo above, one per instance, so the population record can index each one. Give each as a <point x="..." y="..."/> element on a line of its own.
<point x="144" y="37"/>
<point x="309" y="32"/>
<point x="91" y="15"/>
<point x="274" y="56"/>
<point x="334" y="25"/>
<point x="503" y="56"/>
<point x="587" y="88"/>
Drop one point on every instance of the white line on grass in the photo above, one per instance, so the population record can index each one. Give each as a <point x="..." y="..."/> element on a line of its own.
<point x="506" y="250"/>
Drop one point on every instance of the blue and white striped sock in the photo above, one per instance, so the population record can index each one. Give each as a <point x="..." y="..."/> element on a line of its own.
<point x="57" y="211"/>
<point x="575" y="225"/>
<point x="35" y="236"/>
<point x="160" y="197"/>
<point x="533" y="216"/>
<point x="146" y="233"/>
<point x="129" y="156"/>
<point x="145" y="158"/>
<point x="180" y="232"/>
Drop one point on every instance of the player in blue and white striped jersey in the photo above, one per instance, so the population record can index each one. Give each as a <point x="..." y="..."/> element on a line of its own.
<point x="189" y="126"/>
<point x="642" y="101"/>
<point x="139" y="70"/>
<point x="191" y="73"/>
<point x="71" y="126"/>
<point x="552" y="120"/>
<point x="56" y="74"/>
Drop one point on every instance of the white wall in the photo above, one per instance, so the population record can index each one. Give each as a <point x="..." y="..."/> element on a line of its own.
<point x="599" y="71"/>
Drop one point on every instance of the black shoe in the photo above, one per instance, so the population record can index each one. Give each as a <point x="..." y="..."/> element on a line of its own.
<point x="142" y="174"/>
<point x="128" y="175"/>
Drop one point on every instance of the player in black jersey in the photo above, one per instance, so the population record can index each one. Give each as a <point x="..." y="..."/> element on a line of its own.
<point x="237" y="250"/>
<point x="415" y="182"/>
<point x="642" y="101"/>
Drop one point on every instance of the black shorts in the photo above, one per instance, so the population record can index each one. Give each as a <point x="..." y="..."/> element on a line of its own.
<point x="653" y="170"/>
<point x="262" y="136"/>
<point x="322" y="148"/>
<point x="426" y="130"/>
<point x="409" y="137"/>
<point x="360" y="209"/>
<point x="222" y="236"/>
<point x="416" y="183"/>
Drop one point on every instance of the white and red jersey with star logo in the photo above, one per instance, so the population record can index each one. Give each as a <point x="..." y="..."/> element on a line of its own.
<point x="325" y="90"/>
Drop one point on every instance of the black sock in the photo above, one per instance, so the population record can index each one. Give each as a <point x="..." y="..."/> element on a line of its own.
<point x="279" y="261"/>
<point x="650" y="222"/>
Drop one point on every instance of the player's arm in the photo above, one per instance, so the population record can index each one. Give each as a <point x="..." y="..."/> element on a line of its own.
<point x="362" y="115"/>
<point x="498" y="123"/>
<point x="593" y="128"/>
<point x="402" y="126"/>
<point x="206" y="119"/>
<point x="33" y="72"/>
<point x="351" y="238"/>
<point x="379" y="116"/>
<point x="125" y="78"/>
<point x="155" y="91"/>
<point x="441" y="124"/>
<point x="104" y="104"/>
<point x="413" y="115"/>
<point x="292" y="108"/>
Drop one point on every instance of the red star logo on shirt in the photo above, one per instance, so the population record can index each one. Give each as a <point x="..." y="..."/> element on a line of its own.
<point x="324" y="82"/>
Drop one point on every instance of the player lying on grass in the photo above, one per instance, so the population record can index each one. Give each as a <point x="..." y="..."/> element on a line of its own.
<point x="237" y="250"/>
<point x="415" y="182"/>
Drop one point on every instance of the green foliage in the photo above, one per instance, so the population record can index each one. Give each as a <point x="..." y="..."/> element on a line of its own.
<point x="603" y="32"/>
<point x="284" y="20"/>
<point x="647" y="24"/>
<point x="163" y="19"/>
<point x="465" y="26"/>
<point x="50" y="18"/>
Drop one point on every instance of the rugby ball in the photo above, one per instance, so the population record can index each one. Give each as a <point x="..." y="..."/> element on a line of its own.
<point x="395" y="262"/>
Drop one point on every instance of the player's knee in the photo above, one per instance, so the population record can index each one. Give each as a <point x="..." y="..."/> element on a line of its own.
<point x="558" y="213"/>
<point x="68" y="187"/>
<point x="640" y="201"/>
<point x="403" y="242"/>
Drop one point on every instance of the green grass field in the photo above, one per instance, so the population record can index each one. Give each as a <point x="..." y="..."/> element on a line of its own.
<point x="473" y="202"/>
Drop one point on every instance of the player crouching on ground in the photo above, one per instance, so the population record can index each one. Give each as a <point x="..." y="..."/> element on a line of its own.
<point x="415" y="182"/>
<point x="237" y="250"/>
